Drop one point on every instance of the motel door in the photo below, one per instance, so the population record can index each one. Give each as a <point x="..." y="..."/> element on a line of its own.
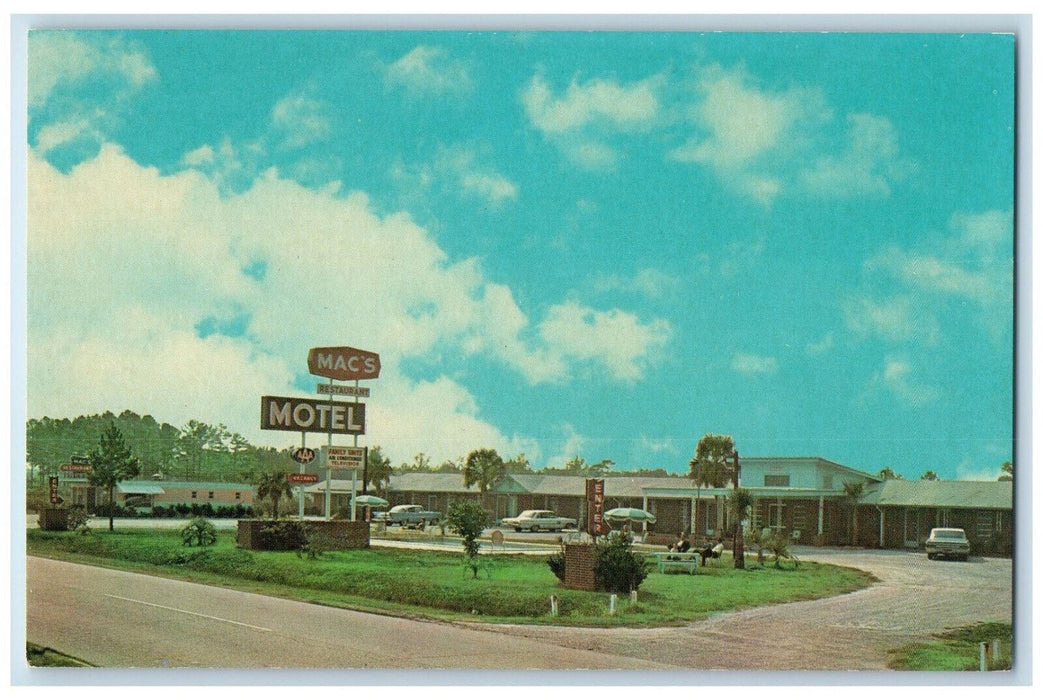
<point x="775" y="516"/>
<point x="914" y="527"/>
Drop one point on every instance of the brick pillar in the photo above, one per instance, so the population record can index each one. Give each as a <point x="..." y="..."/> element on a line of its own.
<point x="579" y="567"/>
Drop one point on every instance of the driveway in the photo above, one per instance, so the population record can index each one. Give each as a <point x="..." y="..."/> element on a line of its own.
<point x="913" y="599"/>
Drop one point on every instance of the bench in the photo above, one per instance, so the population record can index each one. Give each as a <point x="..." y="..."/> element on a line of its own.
<point x="681" y="560"/>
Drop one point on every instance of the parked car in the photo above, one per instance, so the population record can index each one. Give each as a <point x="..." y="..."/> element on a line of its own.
<point x="536" y="520"/>
<point x="410" y="515"/>
<point x="948" y="542"/>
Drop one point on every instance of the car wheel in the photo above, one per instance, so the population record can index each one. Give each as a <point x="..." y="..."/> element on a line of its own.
<point x="535" y="528"/>
<point x="930" y="556"/>
<point x="422" y="525"/>
<point x="517" y="529"/>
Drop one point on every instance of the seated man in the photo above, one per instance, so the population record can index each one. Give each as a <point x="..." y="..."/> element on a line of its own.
<point x="682" y="544"/>
<point x="712" y="552"/>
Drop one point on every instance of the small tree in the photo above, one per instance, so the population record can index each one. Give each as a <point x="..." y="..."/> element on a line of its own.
<point x="929" y="476"/>
<point x="468" y="519"/>
<point x="483" y="468"/>
<point x="617" y="569"/>
<point x="272" y="486"/>
<point x="200" y="532"/>
<point x="111" y="462"/>
<point x="888" y="473"/>
<point x="1007" y="472"/>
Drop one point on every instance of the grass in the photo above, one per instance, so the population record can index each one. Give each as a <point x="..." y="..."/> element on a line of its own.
<point x="435" y="584"/>
<point x="39" y="657"/>
<point x="957" y="650"/>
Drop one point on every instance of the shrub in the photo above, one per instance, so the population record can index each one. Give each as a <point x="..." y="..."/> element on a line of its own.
<point x="286" y="534"/>
<point x="76" y="519"/>
<point x="556" y="562"/>
<point x="468" y="519"/>
<point x="200" y="533"/>
<point x="616" y="568"/>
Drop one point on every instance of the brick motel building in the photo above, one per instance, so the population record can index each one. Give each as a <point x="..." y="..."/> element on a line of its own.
<point x="803" y="496"/>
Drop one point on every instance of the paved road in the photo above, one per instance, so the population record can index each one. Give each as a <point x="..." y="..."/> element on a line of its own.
<point x="117" y="619"/>
<point x="914" y="598"/>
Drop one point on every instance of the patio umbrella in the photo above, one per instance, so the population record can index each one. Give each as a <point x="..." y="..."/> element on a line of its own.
<point x="634" y="514"/>
<point x="370" y="501"/>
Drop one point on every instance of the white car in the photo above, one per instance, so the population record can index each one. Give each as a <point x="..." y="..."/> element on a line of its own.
<point x="948" y="542"/>
<point x="536" y="520"/>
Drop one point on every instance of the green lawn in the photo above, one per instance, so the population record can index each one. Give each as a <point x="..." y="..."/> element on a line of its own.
<point x="957" y="650"/>
<point x="435" y="584"/>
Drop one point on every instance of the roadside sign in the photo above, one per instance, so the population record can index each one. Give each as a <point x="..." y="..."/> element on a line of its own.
<point x="52" y="487"/>
<point x="342" y="390"/>
<point x="310" y="416"/>
<point x="344" y="457"/>
<point x="344" y="363"/>
<point x="76" y="468"/>
<point x="303" y="455"/>
<point x="77" y="459"/>
<point x="302" y="478"/>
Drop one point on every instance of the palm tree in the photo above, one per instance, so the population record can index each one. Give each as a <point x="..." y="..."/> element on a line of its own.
<point x="272" y="486"/>
<point x="378" y="470"/>
<point x="853" y="492"/>
<point x="709" y="467"/>
<point x="740" y="502"/>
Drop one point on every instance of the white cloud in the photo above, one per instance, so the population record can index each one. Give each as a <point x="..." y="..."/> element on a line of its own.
<point x="125" y="263"/>
<point x="574" y="446"/>
<point x="660" y="446"/>
<point x="868" y="166"/>
<point x="897" y="376"/>
<point x="300" y="120"/>
<point x="896" y="319"/>
<point x="823" y="346"/>
<point x="62" y="63"/>
<point x="456" y="171"/>
<point x="595" y="102"/>
<point x="616" y="339"/>
<point x="749" y="363"/>
<point x="429" y="70"/>
<point x="58" y="58"/>
<point x="758" y="141"/>
<point x="581" y="121"/>
<point x="649" y="282"/>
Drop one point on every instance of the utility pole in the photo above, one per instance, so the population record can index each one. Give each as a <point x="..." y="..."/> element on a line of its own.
<point x="737" y="545"/>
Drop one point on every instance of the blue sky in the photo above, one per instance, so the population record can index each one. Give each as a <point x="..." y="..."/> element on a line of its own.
<point x="593" y="244"/>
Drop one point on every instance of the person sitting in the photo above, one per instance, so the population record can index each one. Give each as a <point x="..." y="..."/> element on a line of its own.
<point x="682" y="544"/>
<point x="713" y="552"/>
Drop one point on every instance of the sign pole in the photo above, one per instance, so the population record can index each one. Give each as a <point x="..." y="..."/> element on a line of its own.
<point x="300" y="489"/>
<point x="354" y="472"/>
<point x="329" y="472"/>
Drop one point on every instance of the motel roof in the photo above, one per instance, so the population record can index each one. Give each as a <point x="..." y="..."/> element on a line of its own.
<point x="941" y="494"/>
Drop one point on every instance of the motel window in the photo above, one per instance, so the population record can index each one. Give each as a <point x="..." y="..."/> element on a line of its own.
<point x="210" y="494"/>
<point x="827" y="481"/>
<point x="238" y="495"/>
<point x="776" y="479"/>
<point x="193" y="494"/>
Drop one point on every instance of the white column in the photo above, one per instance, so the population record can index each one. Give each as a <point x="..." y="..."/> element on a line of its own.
<point x="821" y="502"/>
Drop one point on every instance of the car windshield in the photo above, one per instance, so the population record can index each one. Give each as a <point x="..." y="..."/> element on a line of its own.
<point x="949" y="534"/>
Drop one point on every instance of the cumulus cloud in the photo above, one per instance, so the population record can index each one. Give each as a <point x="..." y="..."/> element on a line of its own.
<point x="758" y="140"/>
<point x="751" y="364"/>
<point x="896" y="319"/>
<point x="822" y="346"/>
<point x="429" y="70"/>
<point x="300" y="120"/>
<point x="870" y="163"/>
<point x="897" y="377"/>
<point x="648" y="282"/>
<point x="615" y="339"/>
<point x="581" y="121"/>
<point x="172" y="264"/>
<point x="458" y="171"/>
<point x="79" y="87"/>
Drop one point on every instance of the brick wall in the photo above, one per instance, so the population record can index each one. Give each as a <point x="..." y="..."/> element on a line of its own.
<point x="579" y="566"/>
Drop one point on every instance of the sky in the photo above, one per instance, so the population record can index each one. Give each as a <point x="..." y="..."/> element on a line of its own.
<point x="561" y="244"/>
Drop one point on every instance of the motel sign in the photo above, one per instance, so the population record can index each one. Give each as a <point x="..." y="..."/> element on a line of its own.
<point x="311" y="416"/>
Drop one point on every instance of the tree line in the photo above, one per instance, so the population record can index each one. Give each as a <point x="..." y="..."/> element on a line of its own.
<point x="199" y="451"/>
